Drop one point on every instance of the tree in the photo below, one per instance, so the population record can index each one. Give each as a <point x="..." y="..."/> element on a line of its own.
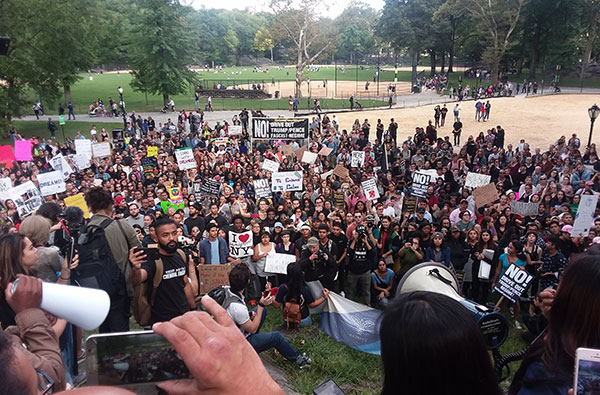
<point x="356" y="25"/>
<point x="450" y="15"/>
<point x="593" y="8"/>
<point x="302" y="27"/>
<point x="263" y="41"/>
<point x="161" y="49"/>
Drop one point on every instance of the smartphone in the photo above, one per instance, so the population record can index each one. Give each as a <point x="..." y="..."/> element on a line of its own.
<point x="272" y="292"/>
<point x="151" y="252"/>
<point x="132" y="360"/>
<point x="587" y="371"/>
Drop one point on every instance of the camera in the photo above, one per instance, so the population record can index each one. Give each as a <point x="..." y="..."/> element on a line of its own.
<point x="362" y="231"/>
<point x="320" y="254"/>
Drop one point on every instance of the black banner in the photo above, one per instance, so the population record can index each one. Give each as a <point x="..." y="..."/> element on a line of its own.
<point x="149" y="164"/>
<point x="279" y="129"/>
<point x="210" y="187"/>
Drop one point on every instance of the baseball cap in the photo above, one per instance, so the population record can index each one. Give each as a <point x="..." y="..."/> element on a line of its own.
<point x="278" y="224"/>
<point x="567" y="229"/>
<point x="312" y="242"/>
<point x="454" y="229"/>
<point x="464" y="201"/>
<point x="420" y="210"/>
<point x="438" y="234"/>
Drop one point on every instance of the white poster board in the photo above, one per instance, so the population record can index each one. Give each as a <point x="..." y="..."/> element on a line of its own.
<point x="476" y="180"/>
<point x="286" y="181"/>
<point x="278" y="263"/>
<point x="241" y="244"/>
<point x="584" y="219"/>
<point x="83" y="147"/>
<point x="370" y="189"/>
<point x="60" y="164"/>
<point x="51" y="183"/>
<point x="101" y="150"/>
<point x="270" y="165"/>
<point x="358" y="159"/>
<point x="26" y="197"/>
<point x="235" y="130"/>
<point x="185" y="159"/>
<point x="81" y="161"/>
<point x="5" y="184"/>
<point x="309" y="157"/>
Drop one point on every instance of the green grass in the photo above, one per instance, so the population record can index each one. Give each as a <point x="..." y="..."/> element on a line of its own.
<point x="39" y="129"/>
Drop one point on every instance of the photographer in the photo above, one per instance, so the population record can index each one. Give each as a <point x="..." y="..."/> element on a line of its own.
<point x="362" y="254"/>
<point x="317" y="264"/>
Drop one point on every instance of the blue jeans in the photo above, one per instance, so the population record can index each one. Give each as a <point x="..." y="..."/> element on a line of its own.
<point x="265" y="341"/>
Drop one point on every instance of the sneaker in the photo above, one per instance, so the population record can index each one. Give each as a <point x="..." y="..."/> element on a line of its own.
<point x="511" y="310"/>
<point x="303" y="361"/>
<point x="342" y="294"/>
<point x="518" y="325"/>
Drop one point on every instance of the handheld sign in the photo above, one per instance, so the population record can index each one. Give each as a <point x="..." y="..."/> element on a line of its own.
<point x="476" y="180"/>
<point x="286" y="181"/>
<point x="584" y="219"/>
<point x="370" y="189"/>
<point x="358" y="159"/>
<point x="185" y="159"/>
<point x="513" y="283"/>
<point x="270" y="165"/>
<point x="420" y="183"/>
<point x="262" y="189"/>
<point x="278" y="263"/>
<point x="211" y="187"/>
<point x="240" y="244"/>
<point x="51" y="183"/>
<point x="211" y="276"/>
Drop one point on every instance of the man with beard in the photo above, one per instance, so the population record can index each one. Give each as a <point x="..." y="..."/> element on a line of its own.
<point x="178" y="274"/>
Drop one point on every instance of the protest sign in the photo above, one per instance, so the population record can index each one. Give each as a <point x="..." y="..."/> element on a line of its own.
<point x="81" y="161"/>
<point x="476" y="180"/>
<point x="185" y="158"/>
<point x="210" y="187"/>
<point x="220" y="141"/>
<point x="433" y="174"/>
<point x="5" y="184"/>
<point x="341" y="172"/>
<point x="235" y="130"/>
<point x="286" y="149"/>
<point x="326" y="174"/>
<point x="26" y="197"/>
<point x="175" y="195"/>
<point x="152" y="151"/>
<point x="524" y="209"/>
<point x="262" y="189"/>
<point x="148" y="165"/>
<point x="59" y="163"/>
<point x="584" y="219"/>
<point x="101" y="150"/>
<point x="83" y="147"/>
<point x="241" y="244"/>
<point x="279" y="129"/>
<point x="278" y="263"/>
<point x="325" y="151"/>
<point x="286" y="181"/>
<point x="78" y="201"/>
<point x="338" y="199"/>
<point x="410" y="204"/>
<point x="7" y="156"/>
<point x="485" y="195"/>
<point x="420" y="183"/>
<point x="513" y="282"/>
<point x="23" y="150"/>
<point x="358" y="159"/>
<point x="300" y="152"/>
<point x="51" y="183"/>
<point x="309" y="157"/>
<point x="212" y="276"/>
<point x="198" y="191"/>
<point x="117" y="135"/>
<point x="270" y="165"/>
<point x="370" y="189"/>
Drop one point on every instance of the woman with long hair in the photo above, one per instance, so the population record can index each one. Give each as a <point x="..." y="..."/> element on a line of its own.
<point x="438" y="251"/>
<point x="573" y="314"/>
<point x="481" y="286"/>
<point x="295" y="290"/>
<point x="382" y="283"/>
<point x="472" y="240"/>
<point x="514" y="255"/>
<point x="264" y="248"/>
<point x="388" y="242"/>
<point x="436" y="344"/>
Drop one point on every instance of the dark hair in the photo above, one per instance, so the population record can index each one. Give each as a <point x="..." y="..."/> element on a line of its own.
<point x="238" y="278"/>
<point x="237" y="216"/>
<point x="98" y="199"/>
<point x="162" y="221"/>
<point x="11" y="251"/>
<point x="324" y="227"/>
<point x="209" y="226"/>
<point x="10" y="381"/>
<point x="294" y="281"/>
<point x="419" y="325"/>
<point x="554" y="239"/>
<point x="49" y="210"/>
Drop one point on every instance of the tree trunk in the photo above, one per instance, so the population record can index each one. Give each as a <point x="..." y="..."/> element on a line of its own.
<point x="414" y="60"/>
<point x="298" y="81"/>
<point x="495" y="69"/>
<point x="451" y="50"/>
<point x="589" y="44"/>
<point x="533" y="63"/>
<point x="271" y="54"/>
<point x="433" y="61"/>
<point x="165" y="99"/>
<point x="67" y="89"/>
<point x="443" y="61"/>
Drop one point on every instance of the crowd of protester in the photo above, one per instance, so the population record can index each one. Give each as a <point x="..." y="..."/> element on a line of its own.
<point x="356" y="246"/>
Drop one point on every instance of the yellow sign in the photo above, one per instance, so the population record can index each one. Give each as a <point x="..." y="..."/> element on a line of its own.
<point x="152" y="151"/>
<point x="78" y="201"/>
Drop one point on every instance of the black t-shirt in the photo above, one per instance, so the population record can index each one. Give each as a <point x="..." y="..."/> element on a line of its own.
<point x="191" y="222"/>
<point x="341" y="242"/>
<point x="361" y="258"/>
<point x="305" y="299"/>
<point x="170" y="301"/>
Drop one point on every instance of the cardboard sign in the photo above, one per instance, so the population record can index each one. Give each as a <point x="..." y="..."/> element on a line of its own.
<point x="513" y="283"/>
<point x="420" y="183"/>
<point x="51" y="183"/>
<point x="341" y="172"/>
<point x="584" y="219"/>
<point x="152" y="152"/>
<point x="185" y="158"/>
<point x="300" y="152"/>
<point x="211" y="276"/>
<point x="278" y="263"/>
<point x="370" y="189"/>
<point x="81" y="161"/>
<point x="23" y="150"/>
<point x="476" y="180"/>
<point x="338" y="199"/>
<point x="286" y="149"/>
<point x="325" y="151"/>
<point x="148" y="165"/>
<point x="83" y="147"/>
<point x="410" y="204"/>
<point x="358" y="159"/>
<point x="211" y="187"/>
<point x="101" y="150"/>
<point x="235" y="130"/>
<point x="241" y="244"/>
<point x="26" y="197"/>
<point x="78" y="201"/>
<point x="270" y="165"/>
<point x="262" y="189"/>
<point x="5" y="184"/>
<point x="485" y="195"/>
<point x="309" y="157"/>
<point x="524" y="209"/>
<point x="286" y="181"/>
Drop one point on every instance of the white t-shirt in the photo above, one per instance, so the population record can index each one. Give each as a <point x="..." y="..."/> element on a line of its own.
<point x="238" y="312"/>
<point x="93" y="132"/>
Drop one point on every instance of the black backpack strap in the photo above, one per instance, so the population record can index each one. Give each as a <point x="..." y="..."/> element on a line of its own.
<point x="104" y="224"/>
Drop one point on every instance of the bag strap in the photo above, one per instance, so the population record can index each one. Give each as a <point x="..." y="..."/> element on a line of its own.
<point x="104" y="224"/>
<point x="156" y="280"/>
<point x="123" y="233"/>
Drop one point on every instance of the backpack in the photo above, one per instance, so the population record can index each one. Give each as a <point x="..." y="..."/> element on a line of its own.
<point x="222" y="297"/>
<point x="292" y="314"/>
<point x="97" y="266"/>
<point x="142" y="306"/>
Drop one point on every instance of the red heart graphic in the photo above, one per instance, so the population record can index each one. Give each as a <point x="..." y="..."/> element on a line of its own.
<point x="372" y="193"/>
<point x="244" y="238"/>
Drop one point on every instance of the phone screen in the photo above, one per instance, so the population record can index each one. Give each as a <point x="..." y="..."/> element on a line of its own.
<point x="588" y="377"/>
<point x="125" y="359"/>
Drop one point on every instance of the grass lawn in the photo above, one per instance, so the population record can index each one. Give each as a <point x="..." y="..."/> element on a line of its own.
<point x="40" y="129"/>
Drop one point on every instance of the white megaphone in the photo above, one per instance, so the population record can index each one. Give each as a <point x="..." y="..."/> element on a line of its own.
<point x="434" y="277"/>
<point x="86" y="308"/>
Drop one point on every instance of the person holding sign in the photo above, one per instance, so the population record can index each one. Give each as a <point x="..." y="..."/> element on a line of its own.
<point x="259" y="258"/>
<point x="514" y="256"/>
